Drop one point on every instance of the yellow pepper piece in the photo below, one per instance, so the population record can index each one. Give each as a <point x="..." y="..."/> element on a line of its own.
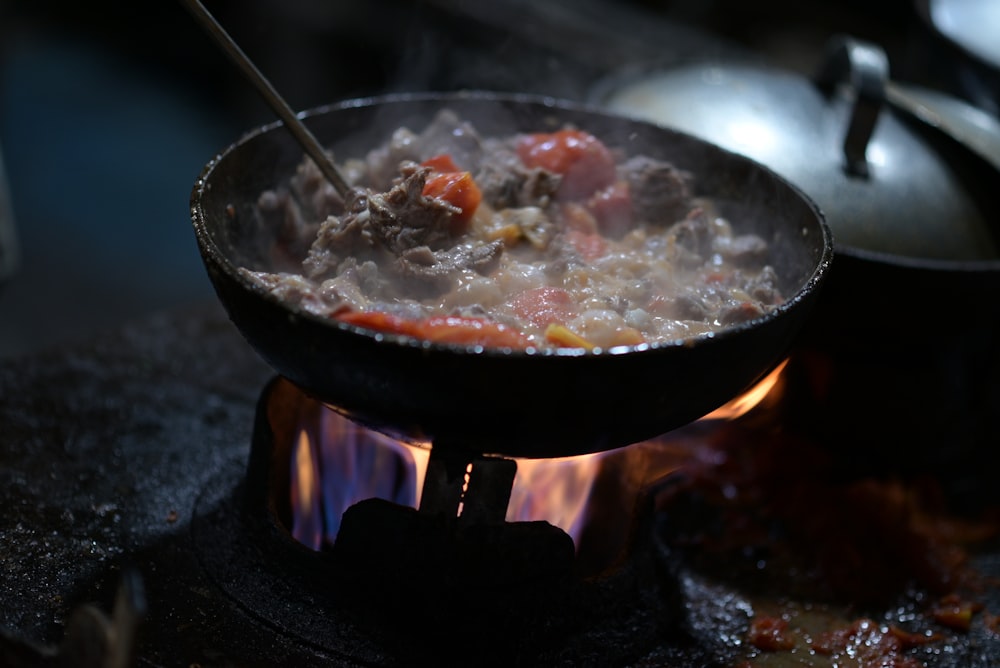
<point x="563" y="337"/>
<point x="509" y="234"/>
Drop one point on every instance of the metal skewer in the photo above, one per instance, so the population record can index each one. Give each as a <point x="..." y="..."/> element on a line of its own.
<point x="292" y="122"/>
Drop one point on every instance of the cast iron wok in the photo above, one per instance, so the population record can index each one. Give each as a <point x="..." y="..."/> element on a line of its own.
<point x="496" y="401"/>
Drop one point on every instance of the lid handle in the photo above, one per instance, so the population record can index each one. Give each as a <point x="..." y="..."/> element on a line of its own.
<point x="865" y="68"/>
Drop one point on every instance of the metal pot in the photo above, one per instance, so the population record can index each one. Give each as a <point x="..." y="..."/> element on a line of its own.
<point x="884" y="187"/>
<point x="520" y="403"/>
<point x="908" y="324"/>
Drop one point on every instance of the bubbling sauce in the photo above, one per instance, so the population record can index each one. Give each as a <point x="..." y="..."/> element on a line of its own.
<point x="540" y="240"/>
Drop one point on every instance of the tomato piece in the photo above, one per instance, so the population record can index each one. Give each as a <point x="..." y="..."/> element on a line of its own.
<point x="575" y="216"/>
<point x="470" y="331"/>
<point x="909" y="640"/>
<point x="559" y="151"/>
<point x="458" y="189"/>
<point x="441" y="163"/>
<point x="440" y="329"/>
<point x="612" y="208"/>
<point x="716" y="277"/>
<point x="544" y="306"/>
<point x="770" y="634"/>
<point x="379" y="321"/>
<point x="589" y="246"/>
<point x="584" y="162"/>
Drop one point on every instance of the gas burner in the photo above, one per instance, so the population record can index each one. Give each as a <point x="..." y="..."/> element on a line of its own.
<point x="396" y="583"/>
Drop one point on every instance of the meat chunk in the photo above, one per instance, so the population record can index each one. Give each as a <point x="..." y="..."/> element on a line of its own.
<point x="745" y="250"/>
<point x="435" y="269"/>
<point x="401" y="230"/>
<point x="507" y="183"/>
<point x="403" y="218"/>
<point x="277" y="210"/>
<point x="341" y="237"/>
<point x="316" y="194"/>
<point x="661" y="193"/>
<point x="292" y="289"/>
<point x="692" y="238"/>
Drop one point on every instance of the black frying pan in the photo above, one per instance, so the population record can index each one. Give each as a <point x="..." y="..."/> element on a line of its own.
<point x="516" y="403"/>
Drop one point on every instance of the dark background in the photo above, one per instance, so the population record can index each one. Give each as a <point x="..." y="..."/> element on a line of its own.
<point x="108" y="110"/>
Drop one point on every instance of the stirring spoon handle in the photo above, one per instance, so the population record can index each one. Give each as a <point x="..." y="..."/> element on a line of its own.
<point x="277" y="103"/>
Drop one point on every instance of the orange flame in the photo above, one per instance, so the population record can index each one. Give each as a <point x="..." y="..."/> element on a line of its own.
<point x="744" y="403"/>
<point x="350" y="463"/>
<point x="554" y="490"/>
<point x="307" y="522"/>
<point x="341" y="466"/>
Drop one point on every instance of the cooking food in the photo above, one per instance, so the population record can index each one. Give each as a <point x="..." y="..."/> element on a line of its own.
<point x="542" y="240"/>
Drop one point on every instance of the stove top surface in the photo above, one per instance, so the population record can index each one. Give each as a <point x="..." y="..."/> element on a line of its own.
<point x="106" y="449"/>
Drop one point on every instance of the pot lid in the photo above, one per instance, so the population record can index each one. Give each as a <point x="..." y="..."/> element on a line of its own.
<point x="883" y="184"/>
